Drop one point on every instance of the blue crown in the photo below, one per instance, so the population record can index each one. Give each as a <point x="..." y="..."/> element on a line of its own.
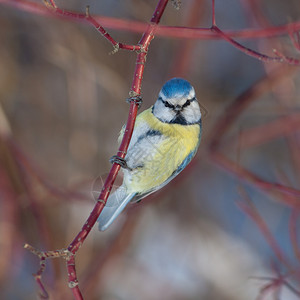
<point x="176" y="88"/>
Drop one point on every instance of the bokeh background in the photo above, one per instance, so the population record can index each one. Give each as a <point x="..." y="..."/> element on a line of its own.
<point x="62" y="104"/>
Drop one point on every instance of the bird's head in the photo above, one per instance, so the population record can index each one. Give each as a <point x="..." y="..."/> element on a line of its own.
<point x="177" y="103"/>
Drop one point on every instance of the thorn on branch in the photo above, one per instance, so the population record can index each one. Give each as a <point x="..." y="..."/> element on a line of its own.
<point x="116" y="49"/>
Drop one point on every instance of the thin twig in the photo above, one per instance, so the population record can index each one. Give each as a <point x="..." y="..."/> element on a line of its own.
<point x="166" y="31"/>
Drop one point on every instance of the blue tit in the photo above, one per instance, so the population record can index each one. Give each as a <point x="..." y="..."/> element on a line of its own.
<point x="165" y="139"/>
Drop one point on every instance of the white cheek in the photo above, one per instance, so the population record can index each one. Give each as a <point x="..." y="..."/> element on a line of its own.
<point x="192" y="113"/>
<point x="163" y="113"/>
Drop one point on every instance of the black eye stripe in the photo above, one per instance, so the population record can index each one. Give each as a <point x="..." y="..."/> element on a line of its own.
<point x="188" y="102"/>
<point x="167" y="104"/>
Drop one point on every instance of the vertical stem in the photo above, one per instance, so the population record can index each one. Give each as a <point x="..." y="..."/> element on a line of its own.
<point x="159" y="10"/>
<point x="135" y="90"/>
<point x="73" y="282"/>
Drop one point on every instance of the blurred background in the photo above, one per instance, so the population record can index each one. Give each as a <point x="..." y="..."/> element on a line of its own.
<point x="62" y="104"/>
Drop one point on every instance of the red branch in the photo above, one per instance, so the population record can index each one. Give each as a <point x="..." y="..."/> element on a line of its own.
<point x="178" y="31"/>
<point x="142" y="47"/>
<point x="72" y="278"/>
<point x="64" y="13"/>
<point x="278" y="58"/>
<point x="135" y="91"/>
<point x="38" y="278"/>
<point x="168" y="31"/>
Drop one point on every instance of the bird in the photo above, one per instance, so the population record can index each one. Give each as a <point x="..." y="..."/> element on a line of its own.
<point x="165" y="138"/>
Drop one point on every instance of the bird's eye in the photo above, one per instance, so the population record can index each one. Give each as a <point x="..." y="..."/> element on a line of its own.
<point x="188" y="102"/>
<point x="167" y="104"/>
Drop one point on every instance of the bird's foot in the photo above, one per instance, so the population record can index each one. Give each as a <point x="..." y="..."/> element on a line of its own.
<point x="120" y="161"/>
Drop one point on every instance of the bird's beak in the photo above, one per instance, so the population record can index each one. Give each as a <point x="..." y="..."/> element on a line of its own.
<point x="177" y="108"/>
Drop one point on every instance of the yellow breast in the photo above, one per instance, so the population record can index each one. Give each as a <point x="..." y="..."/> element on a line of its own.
<point x="177" y="142"/>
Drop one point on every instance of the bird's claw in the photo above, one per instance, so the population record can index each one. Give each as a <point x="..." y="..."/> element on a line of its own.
<point x="120" y="161"/>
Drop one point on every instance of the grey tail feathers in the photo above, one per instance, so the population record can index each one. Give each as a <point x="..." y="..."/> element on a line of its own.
<point x="116" y="202"/>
